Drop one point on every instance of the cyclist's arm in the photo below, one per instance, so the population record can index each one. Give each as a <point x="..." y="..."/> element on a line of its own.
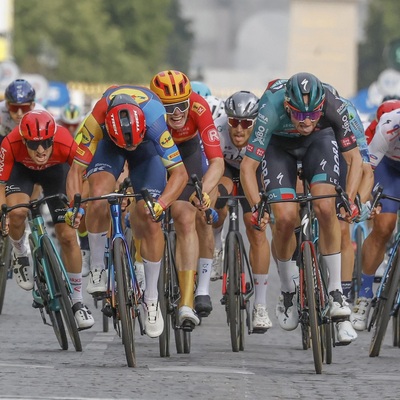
<point x="74" y="180"/>
<point x="354" y="171"/>
<point x="248" y="180"/>
<point x="367" y="183"/>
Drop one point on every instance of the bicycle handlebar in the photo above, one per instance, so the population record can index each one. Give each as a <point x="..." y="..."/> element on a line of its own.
<point x="199" y="193"/>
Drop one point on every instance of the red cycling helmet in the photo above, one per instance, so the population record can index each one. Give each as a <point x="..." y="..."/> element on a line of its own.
<point x="37" y="125"/>
<point x="125" y="121"/>
<point x="387" y="106"/>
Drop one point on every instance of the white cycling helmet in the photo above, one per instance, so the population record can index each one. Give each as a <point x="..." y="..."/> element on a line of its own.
<point x="217" y="106"/>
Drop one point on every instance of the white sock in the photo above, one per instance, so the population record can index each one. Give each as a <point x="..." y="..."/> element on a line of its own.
<point x="260" y="288"/>
<point x="19" y="246"/>
<point x="97" y="245"/>
<point x="203" y="276"/>
<point x="218" y="237"/>
<point x="151" y="273"/>
<point x="289" y="275"/>
<point x="76" y="283"/>
<point x="333" y="264"/>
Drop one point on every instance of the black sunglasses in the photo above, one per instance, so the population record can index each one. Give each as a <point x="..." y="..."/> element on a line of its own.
<point x="34" y="144"/>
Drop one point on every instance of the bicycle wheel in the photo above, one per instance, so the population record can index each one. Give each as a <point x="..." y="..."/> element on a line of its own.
<point x="186" y="341"/>
<point x="5" y="265"/>
<point x="359" y="238"/>
<point x="396" y="329"/>
<point x="125" y="306"/>
<point x="384" y="307"/>
<point x="55" y="269"/>
<point x="315" y="333"/>
<point x="163" y="298"/>
<point x="236" y="318"/>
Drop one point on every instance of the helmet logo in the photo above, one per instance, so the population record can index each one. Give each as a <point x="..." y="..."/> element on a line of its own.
<point x="304" y="83"/>
<point x="114" y="125"/>
<point x="136" y="121"/>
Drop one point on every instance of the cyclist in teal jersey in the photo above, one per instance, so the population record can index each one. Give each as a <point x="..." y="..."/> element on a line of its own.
<point x="299" y="120"/>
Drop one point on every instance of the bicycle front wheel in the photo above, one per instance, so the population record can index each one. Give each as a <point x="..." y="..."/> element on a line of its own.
<point x="124" y="294"/>
<point x="163" y="298"/>
<point x="309" y="264"/>
<point x="359" y="237"/>
<point x="236" y="318"/>
<point x="384" y="307"/>
<point x="5" y="264"/>
<point x="61" y="292"/>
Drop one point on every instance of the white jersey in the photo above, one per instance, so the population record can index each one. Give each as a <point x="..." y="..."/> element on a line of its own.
<point x="232" y="155"/>
<point x="386" y="141"/>
<point x="7" y="124"/>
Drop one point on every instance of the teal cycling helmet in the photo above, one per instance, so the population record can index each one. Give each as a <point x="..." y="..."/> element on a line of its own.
<point x="302" y="84"/>
<point x="200" y="88"/>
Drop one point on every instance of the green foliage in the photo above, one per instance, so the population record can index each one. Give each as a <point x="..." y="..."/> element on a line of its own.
<point x="381" y="28"/>
<point x="99" y="40"/>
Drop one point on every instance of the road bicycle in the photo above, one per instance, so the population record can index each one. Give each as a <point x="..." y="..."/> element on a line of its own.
<point x="237" y="276"/>
<point x="386" y="302"/>
<point x="5" y="266"/>
<point x="123" y="295"/>
<point x="52" y="288"/>
<point x="313" y="298"/>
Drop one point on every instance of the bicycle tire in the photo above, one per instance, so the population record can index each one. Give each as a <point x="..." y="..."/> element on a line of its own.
<point x="315" y="333"/>
<point x="64" y="298"/>
<point x="385" y="304"/>
<point x="235" y="313"/>
<point x="163" y="299"/>
<point x="5" y="264"/>
<point x="125" y="306"/>
<point x="396" y="330"/>
<point x="359" y="238"/>
<point x="178" y="333"/>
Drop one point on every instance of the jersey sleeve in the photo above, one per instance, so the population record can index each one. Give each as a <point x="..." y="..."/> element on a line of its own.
<point x="6" y="160"/>
<point x="379" y="146"/>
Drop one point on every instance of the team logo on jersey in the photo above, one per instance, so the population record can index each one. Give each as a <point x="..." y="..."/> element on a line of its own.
<point x="80" y="151"/>
<point x="198" y="108"/>
<point x="260" y="152"/>
<point x="173" y="155"/>
<point x="138" y="95"/>
<point x="166" y="140"/>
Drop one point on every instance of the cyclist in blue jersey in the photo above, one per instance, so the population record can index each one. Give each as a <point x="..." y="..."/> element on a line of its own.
<point x="128" y="125"/>
<point x="299" y="120"/>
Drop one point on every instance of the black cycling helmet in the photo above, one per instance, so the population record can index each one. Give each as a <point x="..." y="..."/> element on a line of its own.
<point x="242" y="104"/>
<point x="302" y="84"/>
<point x="20" y="91"/>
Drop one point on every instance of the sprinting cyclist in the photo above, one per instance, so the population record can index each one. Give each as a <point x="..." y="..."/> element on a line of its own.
<point x="299" y="120"/>
<point x="40" y="152"/>
<point x="128" y="125"/>
<point x="384" y="154"/>
<point x="234" y="130"/>
<point x="190" y="122"/>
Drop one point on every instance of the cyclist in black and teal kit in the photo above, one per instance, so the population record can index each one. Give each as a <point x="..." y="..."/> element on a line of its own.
<point x="299" y="120"/>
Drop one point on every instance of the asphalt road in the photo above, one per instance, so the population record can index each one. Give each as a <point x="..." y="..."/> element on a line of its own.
<point x="272" y="366"/>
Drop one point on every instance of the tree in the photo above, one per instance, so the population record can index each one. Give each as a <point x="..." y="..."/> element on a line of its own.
<point x="97" y="40"/>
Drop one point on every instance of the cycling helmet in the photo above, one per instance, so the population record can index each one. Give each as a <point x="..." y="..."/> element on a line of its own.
<point x="302" y="84"/>
<point x="71" y="114"/>
<point x="20" y="91"/>
<point x="171" y="86"/>
<point x="125" y="121"/>
<point x="387" y="106"/>
<point x="217" y="106"/>
<point x="242" y="104"/>
<point x="200" y="88"/>
<point x="37" y="125"/>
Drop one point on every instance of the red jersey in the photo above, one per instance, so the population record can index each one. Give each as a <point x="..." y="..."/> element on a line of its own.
<point x="199" y="121"/>
<point x="370" y="131"/>
<point x="13" y="150"/>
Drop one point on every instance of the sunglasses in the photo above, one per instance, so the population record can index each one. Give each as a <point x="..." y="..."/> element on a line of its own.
<point x="245" y="123"/>
<point x="34" y="144"/>
<point x="182" y="107"/>
<point x="14" y="107"/>
<point x="302" y="116"/>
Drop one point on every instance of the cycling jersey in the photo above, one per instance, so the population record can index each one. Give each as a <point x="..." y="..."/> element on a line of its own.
<point x="7" y="124"/>
<point x="273" y="119"/>
<point x="13" y="150"/>
<point x="93" y="129"/>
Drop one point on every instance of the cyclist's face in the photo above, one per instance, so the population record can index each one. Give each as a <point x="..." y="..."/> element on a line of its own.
<point x="40" y="156"/>
<point x="17" y="111"/>
<point x="305" y="127"/>
<point x="239" y="135"/>
<point x="178" y="119"/>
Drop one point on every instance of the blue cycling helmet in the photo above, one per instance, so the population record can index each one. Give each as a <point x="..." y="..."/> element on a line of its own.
<point x="200" y="88"/>
<point x="20" y="91"/>
<point x="304" y="84"/>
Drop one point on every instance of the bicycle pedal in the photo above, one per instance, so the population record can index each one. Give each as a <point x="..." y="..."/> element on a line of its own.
<point x="35" y="304"/>
<point x="107" y="310"/>
<point x="223" y="301"/>
<point x="188" y="326"/>
<point x="342" y="344"/>
<point x="260" y="330"/>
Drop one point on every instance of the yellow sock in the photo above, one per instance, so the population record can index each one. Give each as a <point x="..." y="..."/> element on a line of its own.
<point x="186" y="285"/>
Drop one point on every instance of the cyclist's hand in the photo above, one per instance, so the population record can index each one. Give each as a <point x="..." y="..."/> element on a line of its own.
<point x="205" y="201"/>
<point x="353" y="214"/>
<point x="256" y="222"/>
<point x="365" y="212"/>
<point x="74" y="220"/>
<point x="158" y="210"/>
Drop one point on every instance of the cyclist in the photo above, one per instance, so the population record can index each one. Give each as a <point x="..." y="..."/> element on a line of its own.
<point x="128" y="125"/>
<point x="217" y="106"/>
<point x="234" y="131"/>
<point x="40" y="152"/>
<point x="71" y="117"/>
<point x="19" y="98"/>
<point x="200" y="88"/>
<point x="385" y="162"/>
<point x="190" y="122"/>
<point x="299" y="120"/>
